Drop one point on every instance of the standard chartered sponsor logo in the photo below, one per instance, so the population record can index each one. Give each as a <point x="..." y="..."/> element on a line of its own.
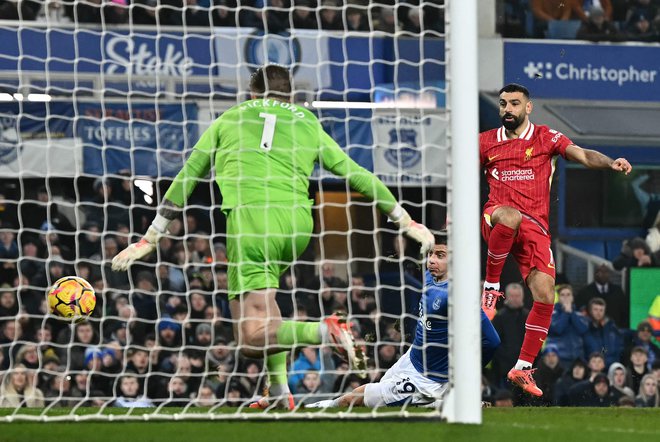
<point x="516" y="175"/>
<point x="589" y="72"/>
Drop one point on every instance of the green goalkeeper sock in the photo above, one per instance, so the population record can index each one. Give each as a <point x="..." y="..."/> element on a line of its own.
<point x="292" y="333"/>
<point x="276" y="365"/>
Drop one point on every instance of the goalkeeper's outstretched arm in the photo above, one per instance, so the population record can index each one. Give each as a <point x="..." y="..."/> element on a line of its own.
<point x="365" y="182"/>
<point x="195" y="168"/>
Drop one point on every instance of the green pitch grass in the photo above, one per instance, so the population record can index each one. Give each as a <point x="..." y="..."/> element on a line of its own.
<point x="499" y="424"/>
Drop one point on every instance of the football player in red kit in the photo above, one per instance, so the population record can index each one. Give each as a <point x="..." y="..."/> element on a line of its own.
<point x="519" y="160"/>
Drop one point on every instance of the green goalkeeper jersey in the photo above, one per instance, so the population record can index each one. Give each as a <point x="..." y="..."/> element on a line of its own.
<point x="264" y="152"/>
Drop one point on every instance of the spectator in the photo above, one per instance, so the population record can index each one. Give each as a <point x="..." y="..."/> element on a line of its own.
<point x="414" y="21"/>
<point x="644" y="187"/>
<point x="647" y="8"/>
<point x="567" y="328"/>
<point x="598" y="27"/>
<point x="129" y="396"/>
<point x="594" y="393"/>
<point x="583" y="8"/>
<point x="548" y="372"/>
<point x="31" y="263"/>
<point x="89" y="240"/>
<point x="8" y="212"/>
<point x="330" y="16"/>
<point x="576" y="373"/>
<point x="142" y="298"/>
<point x="28" y="356"/>
<point x="271" y="16"/>
<point x="58" y="392"/>
<point x="309" y="358"/>
<point x="635" y="253"/>
<point x="603" y="335"/>
<point x="356" y="20"/>
<point x="617" y="301"/>
<point x="643" y="338"/>
<point x="178" y="392"/>
<point x="143" y="12"/>
<point x="21" y="10"/>
<point x="303" y="15"/>
<point x="221" y="353"/>
<point x="637" y="368"/>
<point x="653" y="236"/>
<point x="314" y="387"/>
<point x="97" y="11"/>
<point x="641" y="28"/>
<point x="17" y="389"/>
<point x="596" y="364"/>
<point x="8" y="302"/>
<point x="510" y="325"/>
<point x="617" y="375"/>
<point x="387" y="21"/>
<point x="547" y="10"/>
<point x="648" y="392"/>
<point x="8" y="255"/>
<point x="203" y="335"/>
<point x="205" y="397"/>
<point x="169" y="339"/>
<point x="73" y="354"/>
<point x="224" y="13"/>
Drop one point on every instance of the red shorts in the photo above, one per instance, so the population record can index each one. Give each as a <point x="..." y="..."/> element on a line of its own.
<point x="531" y="246"/>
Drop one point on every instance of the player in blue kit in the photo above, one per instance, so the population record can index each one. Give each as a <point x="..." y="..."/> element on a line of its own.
<point x="420" y="376"/>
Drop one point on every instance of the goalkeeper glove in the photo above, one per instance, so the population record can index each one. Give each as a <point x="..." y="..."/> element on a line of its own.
<point x="138" y="250"/>
<point x="412" y="229"/>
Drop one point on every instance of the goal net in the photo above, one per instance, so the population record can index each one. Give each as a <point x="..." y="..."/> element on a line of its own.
<point x="100" y="105"/>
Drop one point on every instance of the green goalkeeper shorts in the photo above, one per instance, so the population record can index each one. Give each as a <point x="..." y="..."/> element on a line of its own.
<point x="262" y="242"/>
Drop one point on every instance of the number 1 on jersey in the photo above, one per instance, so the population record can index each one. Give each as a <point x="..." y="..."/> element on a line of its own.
<point x="268" y="132"/>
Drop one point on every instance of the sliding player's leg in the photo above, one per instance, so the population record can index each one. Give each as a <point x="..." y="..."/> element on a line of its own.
<point x="401" y="385"/>
<point x="499" y="227"/>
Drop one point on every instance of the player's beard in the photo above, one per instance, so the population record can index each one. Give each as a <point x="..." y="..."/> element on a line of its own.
<point x="512" y="124"/>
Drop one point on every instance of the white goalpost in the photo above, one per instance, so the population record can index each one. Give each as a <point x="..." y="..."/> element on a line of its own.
<point x="99" y="109"/>
<point x="463" y="404"/>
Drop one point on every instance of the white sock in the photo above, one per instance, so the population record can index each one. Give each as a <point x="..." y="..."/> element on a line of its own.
<point x="276" y="390"/>
<point x="323" y="332"/>
<point x="491" y="285"/>
<point x="522" y="365"/>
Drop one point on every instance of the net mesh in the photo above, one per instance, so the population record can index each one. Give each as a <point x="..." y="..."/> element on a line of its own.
<point x="100" y="105"/>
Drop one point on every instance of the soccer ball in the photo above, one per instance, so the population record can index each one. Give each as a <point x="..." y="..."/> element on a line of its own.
<point x="71" y="298"/>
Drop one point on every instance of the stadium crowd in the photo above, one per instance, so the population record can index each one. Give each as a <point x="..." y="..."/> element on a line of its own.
<point x="594" y="20"/>
<point x="162" y="334"/>
<point x="273" y="16"/>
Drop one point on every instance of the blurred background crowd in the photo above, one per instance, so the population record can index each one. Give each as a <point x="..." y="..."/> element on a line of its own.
<point x="162" y="333"/>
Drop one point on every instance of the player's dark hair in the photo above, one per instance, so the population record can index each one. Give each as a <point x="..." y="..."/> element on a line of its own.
<point x="272" y="81"/>
<point x="515" y="87"/>
<point x="440" y="238"/>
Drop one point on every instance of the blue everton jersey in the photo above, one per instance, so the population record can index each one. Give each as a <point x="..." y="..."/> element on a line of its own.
<point x="429" y="353"/>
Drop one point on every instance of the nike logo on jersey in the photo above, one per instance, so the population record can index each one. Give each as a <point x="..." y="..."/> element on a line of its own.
<point x="491" y="158"/>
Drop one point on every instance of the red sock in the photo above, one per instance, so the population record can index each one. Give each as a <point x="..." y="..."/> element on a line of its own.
<point x="499" y="246"/>
<point x="536" y="330"/>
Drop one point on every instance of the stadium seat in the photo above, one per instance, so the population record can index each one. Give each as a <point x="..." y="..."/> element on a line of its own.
<point x="594" y="247"/>
<point x="563" y="29"/>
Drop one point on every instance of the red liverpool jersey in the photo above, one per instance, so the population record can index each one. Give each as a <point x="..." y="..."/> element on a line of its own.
<point x="519" y="171"/>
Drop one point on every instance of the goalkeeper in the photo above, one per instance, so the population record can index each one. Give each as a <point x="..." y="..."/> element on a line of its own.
<point x="419" y="377"/>
<point x="264" y="151"/>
